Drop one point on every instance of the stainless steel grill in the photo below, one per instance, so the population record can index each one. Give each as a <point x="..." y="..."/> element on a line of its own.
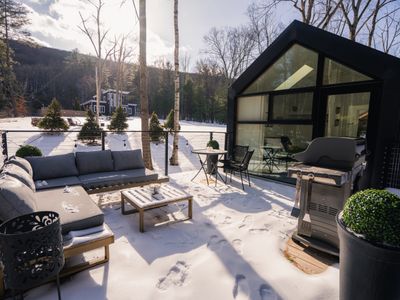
<point x="326" y="174"/>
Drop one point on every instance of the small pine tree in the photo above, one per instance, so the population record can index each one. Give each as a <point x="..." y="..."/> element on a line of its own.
<point x="52" y="120"/>
<point x="118" y="120"/>
<point x="169" y="121"/>
<point x="90" y="131"/>
<point x="155" y="127"/>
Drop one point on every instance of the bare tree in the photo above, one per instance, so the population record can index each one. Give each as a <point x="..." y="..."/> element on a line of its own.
<point x="231" y="48"/>
<point x="120" y="56"/>
<point x="313" y="12"/>
<point x="144" y="101"/>
<point x="361" y="15"/>
<point x="263" y="26"/>
<point x="174" y="158"/>
<point x="97" y="38"/>
<point x="388" y="38"/>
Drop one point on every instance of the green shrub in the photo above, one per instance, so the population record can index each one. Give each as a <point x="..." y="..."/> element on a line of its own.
<point x="90" y="131"/>
<point x="213" y="144"/>
<point x="52" y="120"/>
<point x="169" y="121"/>
<point x="118" y="120"/>
<point x="374" y="214"/>
<point x="28" y="150"/>
<point x="155" y="127"/>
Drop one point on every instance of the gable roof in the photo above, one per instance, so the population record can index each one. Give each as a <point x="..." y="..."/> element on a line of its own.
<point x="361" y="58"/>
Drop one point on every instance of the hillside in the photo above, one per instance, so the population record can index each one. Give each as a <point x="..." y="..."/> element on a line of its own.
<point x="47" y="73"/>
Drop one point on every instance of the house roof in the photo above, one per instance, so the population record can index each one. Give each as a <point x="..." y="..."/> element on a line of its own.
<point x="91" y="101"/>
<point x="361" y="58"/>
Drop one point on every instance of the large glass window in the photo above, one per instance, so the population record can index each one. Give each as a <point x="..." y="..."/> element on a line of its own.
<point x="347" y="115"/>
<point x="335" y="73"/>
<point x="274" y="145"/>
<point x="254" y="108"/>
<point x="292" y="106"/>
<point x="295" y="69"/>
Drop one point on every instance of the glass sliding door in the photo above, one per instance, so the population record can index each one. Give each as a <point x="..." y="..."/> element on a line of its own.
<point x="347" y="114"/>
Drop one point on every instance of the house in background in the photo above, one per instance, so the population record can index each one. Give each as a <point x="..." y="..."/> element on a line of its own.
<point x="311" y="83"/>
<point x="109" y="103"/>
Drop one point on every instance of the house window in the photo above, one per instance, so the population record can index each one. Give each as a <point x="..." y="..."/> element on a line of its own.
<point x="102" y="109"/>
<point x="129" y="110"/>
<point x="253" y="108"/>
<point x="94" y="108"/>
<point x="296" y="68"/>
<point x="335" y="73"/>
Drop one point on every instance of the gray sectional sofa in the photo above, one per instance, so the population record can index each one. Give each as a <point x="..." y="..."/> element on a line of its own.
<point x="61" y="183"/>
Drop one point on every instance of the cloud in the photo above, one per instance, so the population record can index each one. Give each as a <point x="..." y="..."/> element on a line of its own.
<point x="58" y="26"/>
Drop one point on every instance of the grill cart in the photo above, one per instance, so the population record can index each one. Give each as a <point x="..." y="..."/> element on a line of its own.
<point x="327" y="174"/>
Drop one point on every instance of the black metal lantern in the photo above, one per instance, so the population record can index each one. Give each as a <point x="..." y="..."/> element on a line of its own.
<point x="31" y="250"/>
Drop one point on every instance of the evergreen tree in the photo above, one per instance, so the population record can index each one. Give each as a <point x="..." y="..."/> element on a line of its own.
<point x="155" y="127"/>
<point x="118" y="120"/>
<point x="90" y="131"/>
<point x="169" y="121"/>
<point x="52" y="120"/>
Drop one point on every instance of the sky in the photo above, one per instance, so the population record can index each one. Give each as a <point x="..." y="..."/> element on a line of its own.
<point x="54" y="23"/>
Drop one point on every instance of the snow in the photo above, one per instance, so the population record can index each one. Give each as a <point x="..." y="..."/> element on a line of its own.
<point x="231" y="249"/>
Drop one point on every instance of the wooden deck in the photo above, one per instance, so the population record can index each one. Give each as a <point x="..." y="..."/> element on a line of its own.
<point x="307" y="259"/>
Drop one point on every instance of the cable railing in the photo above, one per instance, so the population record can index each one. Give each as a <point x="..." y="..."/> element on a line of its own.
<point x="66" y="141"/>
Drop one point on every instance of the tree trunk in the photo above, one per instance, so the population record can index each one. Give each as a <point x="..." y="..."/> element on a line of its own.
<point x="144" y="103"/>
<point x="174" y="158"/>
<point x="98" y="93"/>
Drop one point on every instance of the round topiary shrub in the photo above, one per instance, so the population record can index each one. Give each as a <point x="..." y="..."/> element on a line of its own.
<point x="374" y="214"/>
<point x="213" y="144"/>
<point x="28" y="150"/>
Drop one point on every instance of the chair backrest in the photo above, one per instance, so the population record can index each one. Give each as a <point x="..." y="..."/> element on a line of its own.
<point x="246" y="160"/>
<point x="286" y="143"/>
<point x="239" y="153"/>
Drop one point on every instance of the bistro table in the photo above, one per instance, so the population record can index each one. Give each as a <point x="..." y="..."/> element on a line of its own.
<point x="203" y="163"/>
<point x="270" y="152"/>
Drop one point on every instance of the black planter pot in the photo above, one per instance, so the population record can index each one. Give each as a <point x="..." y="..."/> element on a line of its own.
<point x="367" y="271"/>
<point x="212" y="161"/>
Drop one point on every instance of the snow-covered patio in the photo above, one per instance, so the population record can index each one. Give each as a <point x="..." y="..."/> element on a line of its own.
<point x="231" y="249"/>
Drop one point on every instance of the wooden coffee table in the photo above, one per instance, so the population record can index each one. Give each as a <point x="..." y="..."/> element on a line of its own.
<point x="142" y="199"/>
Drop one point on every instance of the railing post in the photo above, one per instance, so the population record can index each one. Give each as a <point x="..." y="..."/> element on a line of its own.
<point x="4" y="145"/>
<point x="211" y="135"/>
<point x="166" y="153"/>
<point x="103" y="142"/>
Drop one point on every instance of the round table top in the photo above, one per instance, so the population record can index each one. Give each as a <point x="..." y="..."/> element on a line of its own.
<point x="209" y="151"/>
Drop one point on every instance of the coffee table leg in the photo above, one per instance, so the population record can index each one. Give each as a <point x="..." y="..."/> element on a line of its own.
<point x="190" y="208"/>
<point x="141" y="220"/>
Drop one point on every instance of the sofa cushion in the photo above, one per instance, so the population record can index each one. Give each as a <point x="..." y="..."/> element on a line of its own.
<point x="97" y="180"/>
<point x="21" y="162"/>
<point x="15" y="198"/>
<point x="94" y="161"/>
<point x="19" y="173"/>
<point x="56" y="183"/>
<point x="55" y="166"/>
<point x="126" y="160"/>
<point x="76" y="209"/>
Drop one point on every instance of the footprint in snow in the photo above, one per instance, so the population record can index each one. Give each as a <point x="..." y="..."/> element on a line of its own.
<point x="237" y="245"/>
<point x="267" y="293"/>
<point x="247" y="220"/>
<point x="241" y="285"/>
<point x="215" y="243"/>
<point x="176" y="276"/>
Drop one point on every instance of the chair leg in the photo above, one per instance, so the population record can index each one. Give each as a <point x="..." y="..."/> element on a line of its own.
<point x="241" y="178"/>
<point x="58" y="287"/>
<point x="248" y="177"/>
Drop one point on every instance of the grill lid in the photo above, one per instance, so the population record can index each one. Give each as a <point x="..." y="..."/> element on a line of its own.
<point x="340" y="153"/>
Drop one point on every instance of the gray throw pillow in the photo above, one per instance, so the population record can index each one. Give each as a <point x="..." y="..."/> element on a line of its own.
<point x="15" y="198"/>
<point x="48" y="167"/>
<point x="20" y="174"/>
<point x="127" y="160"/>
<point x="94" y="162"/>
<point x="21" y="162"/>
